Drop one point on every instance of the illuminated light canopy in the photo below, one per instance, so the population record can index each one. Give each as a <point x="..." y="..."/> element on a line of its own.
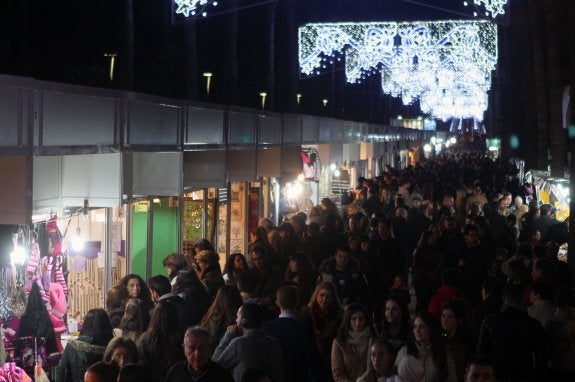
<point x="193" y="7"/>
<point x="447" y="65"/>
<point x="495" y="7"/>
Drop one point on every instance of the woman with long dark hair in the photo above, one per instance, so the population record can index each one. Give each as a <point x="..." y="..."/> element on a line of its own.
<point x="325" y="313"/>
<point x="426" y="258"/>
<point x="160" y="346"/>
<point x="396" y="323"/>
<point x="423" y="359"/>
<point x="299" y="272"/>
<point x="222" y="312"/>
<point x="456" y="339"/>
<point x="137" y="288"/>
<point x="88" y="349"/>
<point x="135" y="320"/>
<point x="350" y="348"/>
<point x="235" y="264"/>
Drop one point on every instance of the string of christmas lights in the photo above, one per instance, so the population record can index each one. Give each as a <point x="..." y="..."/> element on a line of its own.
<point x="447" y="65"/>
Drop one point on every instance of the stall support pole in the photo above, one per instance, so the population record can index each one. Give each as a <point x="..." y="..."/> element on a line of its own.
<point x="205" y="214"/>
<point x="108" y="254"/>
<point x="150" y="238"/>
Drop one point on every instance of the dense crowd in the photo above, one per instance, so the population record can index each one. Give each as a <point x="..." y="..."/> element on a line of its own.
<point x="327" y="296"/>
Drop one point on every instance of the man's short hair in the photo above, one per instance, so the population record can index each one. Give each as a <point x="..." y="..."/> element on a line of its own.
<point x="512" y="294"/>
<point x="287" y="297"/>
<point x="198" y="332"/>
<point x="252" y="316"/>
<point x="248" y="281"/>
<point x="470" y="228"/>
<point x="480" y="360"/>
<point x="160" y="284"/>
<point x="104" y="372"/>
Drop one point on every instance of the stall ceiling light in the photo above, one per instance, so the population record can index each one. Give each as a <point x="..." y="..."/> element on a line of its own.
<point x="446" y="65"/>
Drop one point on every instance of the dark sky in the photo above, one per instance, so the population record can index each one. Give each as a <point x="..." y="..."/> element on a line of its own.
<point x="65" y="40"/>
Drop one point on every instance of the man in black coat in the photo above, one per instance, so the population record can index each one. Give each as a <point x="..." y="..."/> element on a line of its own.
<point x="293" y="335"/>
<point x="514" y="340"/>
<point x="198" y="366"/>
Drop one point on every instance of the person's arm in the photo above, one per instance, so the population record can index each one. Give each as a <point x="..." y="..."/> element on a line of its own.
<point x="337" y="366"/>
<point x="225" y="354"/>
<point x="63" y="368"/>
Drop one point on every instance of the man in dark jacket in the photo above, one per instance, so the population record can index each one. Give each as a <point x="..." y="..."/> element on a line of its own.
<point x="198" y="366"/>
<point x="514" y="340"/>
<point x="293" y="336"/>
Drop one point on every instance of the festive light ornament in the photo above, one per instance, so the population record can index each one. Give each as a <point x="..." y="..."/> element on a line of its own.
<point x="193" y="7"/>
<point x="445" y="64"/>
<point x="493" y="6"/>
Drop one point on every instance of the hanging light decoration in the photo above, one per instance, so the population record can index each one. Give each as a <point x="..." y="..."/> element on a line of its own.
<point x="193" y="7"/>
<point x="446" y="65"/>
<point x="493" y="7"/>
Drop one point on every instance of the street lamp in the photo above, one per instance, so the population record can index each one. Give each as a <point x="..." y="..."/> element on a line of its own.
<point x="208" y="76"/>
<point x="263" y="95"/>
<point x="112" y="57"/>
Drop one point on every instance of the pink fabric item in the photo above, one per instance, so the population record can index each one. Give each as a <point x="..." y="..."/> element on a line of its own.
<point x="59" y="307"/>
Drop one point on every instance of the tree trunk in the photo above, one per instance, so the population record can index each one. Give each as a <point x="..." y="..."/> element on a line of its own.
<point x="571" y="121"/>
<point x="270" y="68"/>
<point x="556" y="82"/>
<point x="231" y="54"/>
<point x="126" y="57"/>
<point x="537" y="34"/>
<point x="191" y="60"/>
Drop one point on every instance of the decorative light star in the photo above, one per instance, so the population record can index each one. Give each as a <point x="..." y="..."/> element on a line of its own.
<point x="192" y="7"/>
<point x="445" y="64"/>
<point x="493" y="6"/>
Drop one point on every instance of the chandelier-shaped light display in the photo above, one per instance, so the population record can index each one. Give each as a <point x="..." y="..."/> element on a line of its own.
<point x="495" y="7"/>
<point x="445" y="64"/>
<point x="193" y="7"/>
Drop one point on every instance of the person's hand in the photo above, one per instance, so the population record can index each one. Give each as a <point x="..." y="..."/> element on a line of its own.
<point x="235" y="329"/>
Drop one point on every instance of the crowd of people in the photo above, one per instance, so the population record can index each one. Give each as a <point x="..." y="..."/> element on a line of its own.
<point x="327" y="296"/>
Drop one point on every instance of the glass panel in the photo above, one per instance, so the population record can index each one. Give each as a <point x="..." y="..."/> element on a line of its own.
<point x="270" y="130"/>
<point x="205" y="126"/>
<point x="242" y="128"/>
<point x="292" y="129"/>
<point x="310" y="130"/>
<point x="238" y="227"/>
<point x="193" y="224"/>
<point x="165" y="235"/>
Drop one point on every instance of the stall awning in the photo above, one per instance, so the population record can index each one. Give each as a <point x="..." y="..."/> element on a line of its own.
<point x="269" y="162"/>
<point x="95" y="177"/>
<point x="150" y="174"/>
<point x="70" y="179"/>
<point x="15" y="193"/>
<point x="205" y="168"/>
<point x="241" y="165"/>
<point x="291" y="160"/>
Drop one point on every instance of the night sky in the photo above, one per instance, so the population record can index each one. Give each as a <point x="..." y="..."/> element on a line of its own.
<point x="65" y="41"/>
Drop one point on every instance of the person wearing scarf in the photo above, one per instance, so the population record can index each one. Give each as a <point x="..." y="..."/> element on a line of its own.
<point x="349" y="353"/>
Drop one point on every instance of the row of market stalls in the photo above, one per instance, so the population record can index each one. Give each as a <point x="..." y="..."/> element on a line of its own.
<point x="106" y="183"/>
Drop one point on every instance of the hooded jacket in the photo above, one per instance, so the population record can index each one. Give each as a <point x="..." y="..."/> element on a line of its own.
<point x="78" y="356"/>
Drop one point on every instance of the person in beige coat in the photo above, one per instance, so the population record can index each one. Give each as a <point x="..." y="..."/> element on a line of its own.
<point x="349" y="353"/>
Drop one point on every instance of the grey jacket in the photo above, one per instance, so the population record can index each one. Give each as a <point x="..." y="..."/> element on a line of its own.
<point x="253" y="350"/>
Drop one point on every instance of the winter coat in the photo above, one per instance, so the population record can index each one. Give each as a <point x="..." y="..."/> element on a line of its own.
<point x="78" y="356"/>
<point x="346" y="363"/>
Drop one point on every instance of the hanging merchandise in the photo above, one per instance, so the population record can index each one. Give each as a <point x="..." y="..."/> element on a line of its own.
<point x="9" y="372"/>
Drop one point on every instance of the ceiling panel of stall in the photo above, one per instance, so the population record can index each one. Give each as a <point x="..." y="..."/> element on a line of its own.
<point x="204" y="127"/>
<point x="152" y="124"/>
<point x="15" y="198"/>
<point x="269" y="162"/>
<point x="150" y="174"/>
<point x="242" y="165"/>
<point x="76" y="119"/>
<point x="336" y="152"/>
<point x="204" y="169"/>
<point x="95" y="177"/>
